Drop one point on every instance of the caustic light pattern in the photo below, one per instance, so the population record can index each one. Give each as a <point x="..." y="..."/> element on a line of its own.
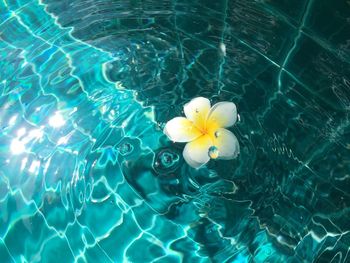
<point x="87" y="175"/>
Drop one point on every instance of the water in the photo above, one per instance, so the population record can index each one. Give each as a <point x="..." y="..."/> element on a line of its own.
<point x="213" y="152"/>
<point x="87" y="174"/>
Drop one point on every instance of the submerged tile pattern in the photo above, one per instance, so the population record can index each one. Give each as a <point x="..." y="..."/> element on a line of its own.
<point x="86" y="173"/>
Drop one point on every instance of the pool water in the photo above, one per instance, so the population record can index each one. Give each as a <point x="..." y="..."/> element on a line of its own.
<point x="86" y="173"/>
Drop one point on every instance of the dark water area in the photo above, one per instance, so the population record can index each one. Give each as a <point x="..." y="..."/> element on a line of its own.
<point x="87" y="175"/>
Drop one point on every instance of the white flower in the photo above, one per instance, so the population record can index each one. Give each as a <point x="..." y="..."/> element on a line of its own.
<point x="204" y="130"/>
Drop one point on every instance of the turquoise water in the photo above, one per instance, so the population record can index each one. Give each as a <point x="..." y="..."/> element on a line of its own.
<point x="86" y="173"/>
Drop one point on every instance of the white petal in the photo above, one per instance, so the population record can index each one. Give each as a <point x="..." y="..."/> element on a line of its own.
<point x="223" y="114"/>
<point x="226" y="143"/>
<point x="197" y="111"/>
<point x="181" y="129"/>
<point x="196" y="152"/>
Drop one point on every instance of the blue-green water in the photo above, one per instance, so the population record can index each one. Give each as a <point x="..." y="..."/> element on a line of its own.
<point x="86" y="174"/>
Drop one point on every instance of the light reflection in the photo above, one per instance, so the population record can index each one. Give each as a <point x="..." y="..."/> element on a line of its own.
<point x="24" y="162"/>
<point x="18" y="144"/>
<point x="57" y="120"/>
<point x="34" y="167"/>
<point x="17" y="147"/>
<point x="21" y="132"/>
<point x="63" y="140"/>
<point x="12" y="121"/>
<point x="223" y="48"/>
<point x="37" y="133"/>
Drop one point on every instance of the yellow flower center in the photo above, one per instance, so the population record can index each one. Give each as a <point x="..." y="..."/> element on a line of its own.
<point x="208" y="128"/>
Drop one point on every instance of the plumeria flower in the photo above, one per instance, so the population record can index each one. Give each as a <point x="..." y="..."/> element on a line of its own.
<point x="204" y="131"/>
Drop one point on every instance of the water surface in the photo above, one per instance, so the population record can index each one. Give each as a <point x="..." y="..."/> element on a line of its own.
<point x="86" y="174"/>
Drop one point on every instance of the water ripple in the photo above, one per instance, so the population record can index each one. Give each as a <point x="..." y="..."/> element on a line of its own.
<point x="87" y="175"/>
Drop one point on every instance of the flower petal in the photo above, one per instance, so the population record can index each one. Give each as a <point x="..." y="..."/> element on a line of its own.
<point x="196" y="152"/>
<point x="226" y="143"/>
<point x="197" y="111"/>
<point x="181" y="129"/>
<point x="222" y="114"/>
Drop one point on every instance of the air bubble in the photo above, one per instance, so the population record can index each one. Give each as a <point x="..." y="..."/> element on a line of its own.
<point x="217" y="134"/>
<point x="213" y="152"/>
<point x="125" y="148"/>
<point x="166" y="161"/>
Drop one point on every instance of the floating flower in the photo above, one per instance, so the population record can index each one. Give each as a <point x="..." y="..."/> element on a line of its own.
<point x="204" y="131"/>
